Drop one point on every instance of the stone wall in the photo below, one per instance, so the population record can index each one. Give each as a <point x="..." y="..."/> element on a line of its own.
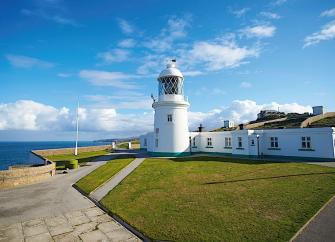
<point x="66" y="151"/>
<point x="316" y="118"/>
<point x="24" y="175"/>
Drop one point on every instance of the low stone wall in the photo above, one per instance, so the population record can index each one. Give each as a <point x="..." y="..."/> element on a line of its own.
<point x="24" y="175"/>
<point x="313" y="119"/>
<point x="66" y="151"/>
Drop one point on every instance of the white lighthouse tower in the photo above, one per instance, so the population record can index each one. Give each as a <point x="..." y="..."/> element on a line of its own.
<point x="171" y="134"/>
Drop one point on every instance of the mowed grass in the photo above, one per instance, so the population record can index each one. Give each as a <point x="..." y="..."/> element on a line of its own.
<point x="102" y="174"/>
<point x="82" y="158"/>
<point x="221" y="199"/>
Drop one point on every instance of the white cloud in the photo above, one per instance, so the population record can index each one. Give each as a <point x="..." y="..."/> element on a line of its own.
<point x="327" y="32"/>
<point x="328" y="13"/>
<point x="175" y="29"/>
<point x="279" y="2"/>
<point x="127" y="43"/>
<point x="245" y="84"/>
<point x="219" y="55"/>
<point x="30" y="115"/>
<point x="27" y="62"/>
<point x="116" y="55"/>
<point x="126" y="27"/>
<point x="57" y="18"/>
<point x="64" y="75"/>
<point x="105" y="78"/>
<point x="240" y="12"/>
<point x="240" y="111"/>
<point x="259" y="31"/>
<point x="270" y="15"/>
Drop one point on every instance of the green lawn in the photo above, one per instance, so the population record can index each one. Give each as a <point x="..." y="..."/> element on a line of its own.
<point x="221" y="199"/>
<point x="102" y="174"/>
<point x="82" y="158"/>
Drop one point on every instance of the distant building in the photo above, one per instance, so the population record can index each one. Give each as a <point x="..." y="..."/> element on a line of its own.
<point x="266" y="113"/>
<point x="317" y="110"/>
<point x="228" y="124"/>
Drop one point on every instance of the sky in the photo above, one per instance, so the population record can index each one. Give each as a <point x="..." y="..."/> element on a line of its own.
<point x="238" y="57"/>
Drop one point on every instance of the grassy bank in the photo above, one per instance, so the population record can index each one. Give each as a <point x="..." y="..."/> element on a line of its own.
<point x="102" y="174"/>
<point x="221" y="199"/>
<point x="82" y="158"/>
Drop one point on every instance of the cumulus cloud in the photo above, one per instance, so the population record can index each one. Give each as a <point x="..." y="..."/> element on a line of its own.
<point x="327" y="32"/>
<point x="115" y="55"/>
<point x="220" y="54"/>
<point x="22" y="61"/>
<point x="328" y="13"/>
<point x="105" y="78"/>
<point x="259" y="31"/>
<point x="240" y="111"/>
<point x="30" y="115"/>
<point x="125" y="26"/>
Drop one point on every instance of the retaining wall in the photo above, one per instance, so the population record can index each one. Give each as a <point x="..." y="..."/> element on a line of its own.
<point x="316" y="118"/>
<point x="24" y="175"/>
<point x="66" y="151"/>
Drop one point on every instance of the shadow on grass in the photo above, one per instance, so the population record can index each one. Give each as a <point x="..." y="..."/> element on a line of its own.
<point x="268" y="178"/>
<point x="239" y="160"/>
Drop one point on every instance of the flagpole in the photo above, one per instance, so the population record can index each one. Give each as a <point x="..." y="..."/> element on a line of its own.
<point x="77" y="135"/>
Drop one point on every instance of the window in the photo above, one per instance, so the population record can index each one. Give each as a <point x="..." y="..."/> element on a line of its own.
<point x="156" y="143"/>
<point x="145" y="142"/>
<point x="209" y="142"/>
<point x="252" y="142"/>
<point x="169" y="117"/>
<point x="306" y="142"/>
<point x="193" y="141"/>
<point x="227" y="141"/>
<point x="274" y="142"/>
<point x="239" y="142"/>
<point x="157" y="130"/>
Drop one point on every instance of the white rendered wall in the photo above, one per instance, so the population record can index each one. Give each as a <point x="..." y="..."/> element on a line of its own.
<point x="289" y="142"/>
<point x="173" y="137"/>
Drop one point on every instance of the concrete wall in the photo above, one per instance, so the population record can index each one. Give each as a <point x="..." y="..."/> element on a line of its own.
<point x="21" y="175"/>
<point x="65" y="151"/>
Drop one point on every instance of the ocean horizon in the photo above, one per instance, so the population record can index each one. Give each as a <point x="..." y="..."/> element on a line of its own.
<point x="19" y="152"/>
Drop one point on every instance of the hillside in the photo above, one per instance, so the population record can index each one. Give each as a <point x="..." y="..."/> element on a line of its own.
<point x="326" y="122"/>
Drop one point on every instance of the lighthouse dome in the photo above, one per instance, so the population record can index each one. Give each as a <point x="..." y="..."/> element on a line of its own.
<point x="171" y="70"/>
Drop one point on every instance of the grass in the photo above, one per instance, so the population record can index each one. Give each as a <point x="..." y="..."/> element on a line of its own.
<point x="326" y="122"/>
<point x="82" y="158"/>
<point x="221" y="199"/>
<point x="102" y="174"/>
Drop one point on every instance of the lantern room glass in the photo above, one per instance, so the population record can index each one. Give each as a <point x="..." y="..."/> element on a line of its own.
<point x="170" y="85"/>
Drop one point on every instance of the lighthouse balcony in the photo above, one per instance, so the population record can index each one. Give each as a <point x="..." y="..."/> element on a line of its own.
<point x="173" y="98"/>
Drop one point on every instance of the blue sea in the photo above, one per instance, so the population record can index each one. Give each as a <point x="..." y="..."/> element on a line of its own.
<point x="18" y="153"/>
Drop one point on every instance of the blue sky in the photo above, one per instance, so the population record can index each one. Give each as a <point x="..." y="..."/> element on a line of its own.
<point x="237" y="57"/>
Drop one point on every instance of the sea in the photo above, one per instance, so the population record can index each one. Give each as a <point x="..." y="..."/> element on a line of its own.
<point x="18" y="153"/>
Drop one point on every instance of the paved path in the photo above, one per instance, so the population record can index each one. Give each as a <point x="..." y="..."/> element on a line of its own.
<point x="104" y="189"/>
<point x="54" y="211"/>
<point x="90" y="224"/>
<point x="322" y="227"/>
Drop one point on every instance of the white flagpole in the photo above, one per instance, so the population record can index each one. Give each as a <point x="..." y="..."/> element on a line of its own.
<point x="76" y="149"/>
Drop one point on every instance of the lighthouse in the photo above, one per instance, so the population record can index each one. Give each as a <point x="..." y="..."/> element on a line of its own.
<point x="171" y="134"/>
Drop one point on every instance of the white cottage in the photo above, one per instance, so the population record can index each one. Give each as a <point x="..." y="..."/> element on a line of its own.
<point x="171" y="136"/>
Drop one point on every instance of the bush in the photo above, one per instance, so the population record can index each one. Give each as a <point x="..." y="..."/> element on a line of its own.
<point x="72" y="164"/>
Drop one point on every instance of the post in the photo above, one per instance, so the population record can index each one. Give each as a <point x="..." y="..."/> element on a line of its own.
<point x="190" y="141"/>
<point x="77" y="135"/>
